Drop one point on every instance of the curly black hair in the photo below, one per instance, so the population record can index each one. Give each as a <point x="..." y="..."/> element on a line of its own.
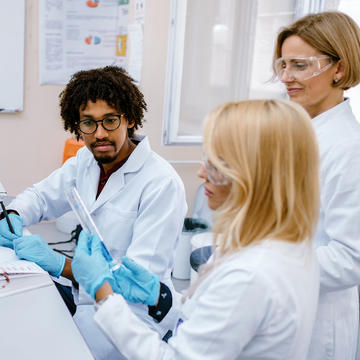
<point x="111" y="84"/>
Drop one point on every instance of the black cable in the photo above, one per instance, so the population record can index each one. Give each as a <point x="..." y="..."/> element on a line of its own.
<point x="61" y="242"/>
<point x="63" y="252"/>
<point x="74" y="238"/>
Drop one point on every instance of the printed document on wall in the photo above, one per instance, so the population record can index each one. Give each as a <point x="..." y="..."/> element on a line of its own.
<point x="80" y="35"/>
<point x="135" y="51"/>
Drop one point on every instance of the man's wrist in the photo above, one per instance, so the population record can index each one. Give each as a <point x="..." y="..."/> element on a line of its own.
<point x="67" y="272"/>
<point x="57" y="270"/>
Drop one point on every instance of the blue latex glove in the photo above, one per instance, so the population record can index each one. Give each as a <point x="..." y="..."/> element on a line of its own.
<point x="6" y="236"/>
<point x="35" y="248"/>
<point x="89" y="266"/>
<point x="135" y="283"/>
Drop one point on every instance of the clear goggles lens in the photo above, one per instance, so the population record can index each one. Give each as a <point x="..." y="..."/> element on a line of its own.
<point x="301" y="68"/>
<point x="213" y="174"/>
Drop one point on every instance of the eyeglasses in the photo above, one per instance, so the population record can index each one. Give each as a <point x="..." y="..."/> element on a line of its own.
<point x="213" y="174"/>
<point x="110" y="123"/>
<point x="301" y="68"/>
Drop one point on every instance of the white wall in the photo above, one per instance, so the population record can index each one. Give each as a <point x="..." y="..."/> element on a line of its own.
<point x="32" y="142"/>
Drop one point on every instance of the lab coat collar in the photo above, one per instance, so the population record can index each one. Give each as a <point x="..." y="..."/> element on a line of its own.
<point x="138" y="156"/>
<point x="117" y="180"/>
<point x="332" y="113"/>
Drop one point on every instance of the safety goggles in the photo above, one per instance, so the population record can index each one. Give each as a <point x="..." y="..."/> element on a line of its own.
<point x="213" y="174"/>
<point x="301" y="68"/>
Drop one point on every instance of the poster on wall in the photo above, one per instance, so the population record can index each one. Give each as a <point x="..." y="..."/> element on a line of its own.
<point x="80" y="35"/>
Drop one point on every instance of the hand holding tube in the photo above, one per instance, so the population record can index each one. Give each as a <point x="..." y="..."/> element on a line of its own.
<point x="135" y="283"/>
<point x="89" y="266"/>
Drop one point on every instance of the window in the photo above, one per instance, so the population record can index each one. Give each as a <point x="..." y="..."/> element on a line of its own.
<point x="219" y="50"/>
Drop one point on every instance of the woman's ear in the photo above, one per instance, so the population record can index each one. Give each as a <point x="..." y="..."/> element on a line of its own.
<point x="339" y="71"/>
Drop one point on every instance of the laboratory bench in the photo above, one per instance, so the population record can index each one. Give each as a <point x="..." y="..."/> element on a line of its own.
<point x="35" y="323"/>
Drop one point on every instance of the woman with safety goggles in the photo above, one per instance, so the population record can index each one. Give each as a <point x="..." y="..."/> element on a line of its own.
<point x="256" y="298"/>
<point x="317" y="58"/>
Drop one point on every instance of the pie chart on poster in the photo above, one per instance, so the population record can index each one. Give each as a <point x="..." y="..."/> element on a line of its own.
<point x="92" y="3"/>
<point x="95" y="40"/>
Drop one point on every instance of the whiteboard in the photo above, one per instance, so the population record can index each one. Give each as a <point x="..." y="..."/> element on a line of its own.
<point x="12" y="32"/>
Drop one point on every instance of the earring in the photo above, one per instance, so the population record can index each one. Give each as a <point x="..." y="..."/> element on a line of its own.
<point x="336" y="80"/>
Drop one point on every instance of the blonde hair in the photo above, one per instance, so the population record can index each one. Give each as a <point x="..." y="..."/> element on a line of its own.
<point x="268" y="149"/>
<point x="334" y="34"/>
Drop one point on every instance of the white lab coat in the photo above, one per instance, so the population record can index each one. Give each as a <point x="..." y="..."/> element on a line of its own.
<point x="140" y="213"/>
<point x="259" y="304"/>
<point x="337" y="239"/>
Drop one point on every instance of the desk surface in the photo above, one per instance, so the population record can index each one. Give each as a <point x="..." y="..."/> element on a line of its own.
<point x="36" y="324"/>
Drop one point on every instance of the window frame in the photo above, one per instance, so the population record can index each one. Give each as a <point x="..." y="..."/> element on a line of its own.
<point x="175" y="59"/>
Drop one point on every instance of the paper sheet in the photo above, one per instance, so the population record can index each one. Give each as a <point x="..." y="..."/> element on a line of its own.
<point x="136" y="51"/>
<point x="24" y="282"/>
<point x="20" y="267"/>
<point x="19" y="275"/>
<point x="139" y="15"/>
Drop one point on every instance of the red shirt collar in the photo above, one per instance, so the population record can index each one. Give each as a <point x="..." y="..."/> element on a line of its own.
<point x="105" y="177"/>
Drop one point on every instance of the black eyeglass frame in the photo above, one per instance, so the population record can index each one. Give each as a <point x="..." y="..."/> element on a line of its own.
<point x="119" y="116"/>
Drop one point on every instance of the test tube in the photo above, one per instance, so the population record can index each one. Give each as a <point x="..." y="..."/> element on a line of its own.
<point x="88" y="223"/>
<point x="2" y="191"/>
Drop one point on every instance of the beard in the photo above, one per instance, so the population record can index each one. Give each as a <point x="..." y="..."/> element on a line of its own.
<point x="105" y="159"/>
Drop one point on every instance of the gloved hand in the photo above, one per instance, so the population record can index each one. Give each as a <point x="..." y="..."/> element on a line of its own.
<point x="35" y="248"/>
<point x="135" y="283"/>
<point x="89" y="267"/>
<point x="6" y="236"/>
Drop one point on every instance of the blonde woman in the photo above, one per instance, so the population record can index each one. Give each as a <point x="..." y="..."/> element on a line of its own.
<point x="257" y="296"/>
<point x="317" y="58"/>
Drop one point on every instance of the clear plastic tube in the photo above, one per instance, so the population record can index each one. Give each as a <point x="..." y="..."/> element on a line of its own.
<point x="88" y="223"/>
<point x="2" y="191"/>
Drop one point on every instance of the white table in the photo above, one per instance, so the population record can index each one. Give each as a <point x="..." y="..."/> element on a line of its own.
<point x="36" y="324"/>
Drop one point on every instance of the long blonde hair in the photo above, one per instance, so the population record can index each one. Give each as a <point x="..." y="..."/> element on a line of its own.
<point x="268" y="149"/>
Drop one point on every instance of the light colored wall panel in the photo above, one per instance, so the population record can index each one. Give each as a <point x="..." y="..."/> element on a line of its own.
<point x="32" y="142"/>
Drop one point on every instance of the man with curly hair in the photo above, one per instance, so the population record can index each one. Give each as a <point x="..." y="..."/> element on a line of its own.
<point x="135" y="197"/>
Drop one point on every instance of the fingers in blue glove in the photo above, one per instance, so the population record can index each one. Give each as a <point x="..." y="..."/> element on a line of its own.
<point x="17" y="224"/>
<point x="84" y="242"/>
<point x="135" y="283"/>
<point x="139" y="273"/>
<point x="25" y="243"/>
<point x="6" y="242"/>
<point x="89" y="266"/>
<point x="132" y="265"/>
<point x="90" y="242"/>
<point x="95" y="244"/>
<point x="6" y="236"/>
<point x="35" y="248"/>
